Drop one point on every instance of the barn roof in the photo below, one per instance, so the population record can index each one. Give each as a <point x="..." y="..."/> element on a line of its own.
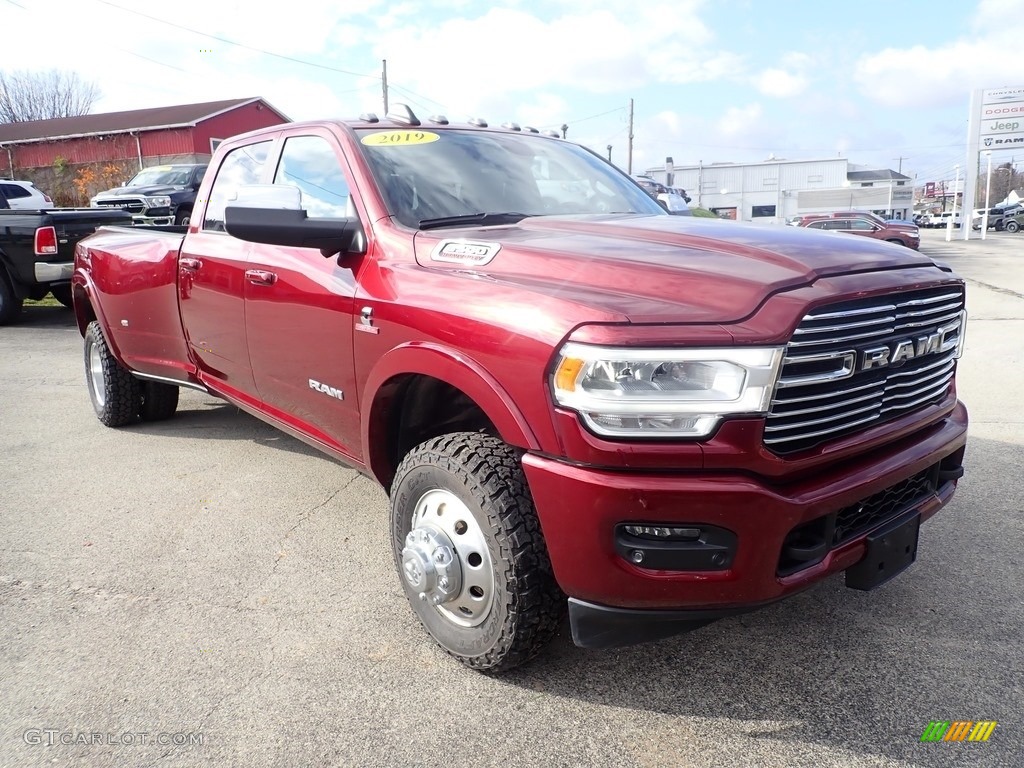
<point x="157" y="118"/>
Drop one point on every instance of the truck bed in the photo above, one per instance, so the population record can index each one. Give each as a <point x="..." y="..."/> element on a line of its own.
<point x="134" y="271"/>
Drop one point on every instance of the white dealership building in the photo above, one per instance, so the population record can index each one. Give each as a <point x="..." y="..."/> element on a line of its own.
<point x="774" y="190"/>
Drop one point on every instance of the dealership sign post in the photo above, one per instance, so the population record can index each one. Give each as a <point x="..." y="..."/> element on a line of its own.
<point x="996" y="124"/>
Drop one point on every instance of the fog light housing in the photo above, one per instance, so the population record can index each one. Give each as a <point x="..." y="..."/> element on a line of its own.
<point x="676" y="546"/>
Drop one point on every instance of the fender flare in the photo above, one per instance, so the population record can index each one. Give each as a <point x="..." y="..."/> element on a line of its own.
<point x="450" y="366"/>
<point x="82" y="283"/>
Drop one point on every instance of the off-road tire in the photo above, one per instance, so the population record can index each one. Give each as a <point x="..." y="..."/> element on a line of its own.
<point x="1013" y="227"/>
<point x="487" y="476"/>
<point x="10" y="304"/>
<point x="121" y="397"/>
<point x="62" y="293"/>
<point x="159" y="401"/>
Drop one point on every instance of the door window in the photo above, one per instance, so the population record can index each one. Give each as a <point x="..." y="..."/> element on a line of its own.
<point x="243" y="165"/>
<point x="311" y="164"/>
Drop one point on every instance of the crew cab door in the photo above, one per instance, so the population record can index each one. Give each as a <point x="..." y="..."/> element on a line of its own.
<point x="300" y="306"/>
<point x="211" y="280"/>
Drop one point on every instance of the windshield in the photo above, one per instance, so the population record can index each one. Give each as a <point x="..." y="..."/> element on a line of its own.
<point x="151" y="177"/>
<point x="427" y="176"/>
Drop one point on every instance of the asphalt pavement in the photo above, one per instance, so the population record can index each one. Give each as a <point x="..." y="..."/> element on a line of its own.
<point x="208" y="591"/>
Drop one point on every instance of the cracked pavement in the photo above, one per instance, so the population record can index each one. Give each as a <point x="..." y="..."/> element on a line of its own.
<point x="210" y="575"/>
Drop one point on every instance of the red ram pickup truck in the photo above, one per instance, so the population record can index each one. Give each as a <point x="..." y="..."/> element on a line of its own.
<point x="576" y="401"/>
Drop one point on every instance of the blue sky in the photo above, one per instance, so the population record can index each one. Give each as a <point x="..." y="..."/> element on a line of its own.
<point x="711" y="81"/>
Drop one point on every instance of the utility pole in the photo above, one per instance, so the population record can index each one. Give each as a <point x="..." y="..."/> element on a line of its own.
<point x="900" y="161"/>
<point x="629" y="162"/>
<point x="384" y="82"/>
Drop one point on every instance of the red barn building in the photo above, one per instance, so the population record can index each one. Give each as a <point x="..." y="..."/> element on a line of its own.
<point x="187" y="133"/>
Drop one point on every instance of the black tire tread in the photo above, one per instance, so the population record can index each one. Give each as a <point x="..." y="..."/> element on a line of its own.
<point x="159" y="401"/>
<point x="62" y="293"/>
<point x="123" y="391"/>
<point x="492" y="473"/>
<point x="10" y="304"/>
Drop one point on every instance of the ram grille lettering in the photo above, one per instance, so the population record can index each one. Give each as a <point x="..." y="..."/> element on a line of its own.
<point x="908" y="349"/>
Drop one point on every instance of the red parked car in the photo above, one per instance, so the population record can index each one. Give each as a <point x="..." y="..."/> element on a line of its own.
<point x="860" y="224"/>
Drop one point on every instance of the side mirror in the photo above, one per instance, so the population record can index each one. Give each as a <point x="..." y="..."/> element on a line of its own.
<point x="272" y="214"/>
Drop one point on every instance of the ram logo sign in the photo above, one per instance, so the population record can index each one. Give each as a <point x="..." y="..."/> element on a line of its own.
<point x="327" y="389"/>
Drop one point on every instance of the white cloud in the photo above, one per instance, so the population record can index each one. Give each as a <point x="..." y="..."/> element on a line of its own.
<point x="598" y="50"/>
<point x="739" y="122"/>
<point x="780" y="83"/>
<point x="945" y="74"/>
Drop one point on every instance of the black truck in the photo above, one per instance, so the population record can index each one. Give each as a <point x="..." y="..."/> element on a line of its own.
<point x="162" y="194"/>
<point x="37" y="252"/>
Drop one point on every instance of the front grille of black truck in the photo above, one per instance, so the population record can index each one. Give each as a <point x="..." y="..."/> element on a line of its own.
<point x="130" y="204"/>
<point x="853" y="365"/>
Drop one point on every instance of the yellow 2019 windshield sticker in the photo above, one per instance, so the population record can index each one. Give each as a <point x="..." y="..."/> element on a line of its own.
<point x="399" y="138"/>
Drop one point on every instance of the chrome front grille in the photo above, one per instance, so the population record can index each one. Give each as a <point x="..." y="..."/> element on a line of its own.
<point x="130" y="204"/>
<point x="852" y="365"/>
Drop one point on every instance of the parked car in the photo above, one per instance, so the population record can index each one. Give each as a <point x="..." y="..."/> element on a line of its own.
<point x="645" y="421"/>
<point x="804" y="219"/>
<point x="163" y="194"/>
<point x="37" y="251"/>
<point x="23" y="195"/>
<point x="672" y="200"/>
<point x="999" y="216"/>
<point x="906" y="235"/>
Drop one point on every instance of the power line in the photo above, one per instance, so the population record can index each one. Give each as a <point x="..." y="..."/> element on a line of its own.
<point x="237" y="44"/>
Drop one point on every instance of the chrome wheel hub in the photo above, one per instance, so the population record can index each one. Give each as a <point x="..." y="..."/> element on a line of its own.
<point x="446" y="561"/>
<point x="96" y="375"/>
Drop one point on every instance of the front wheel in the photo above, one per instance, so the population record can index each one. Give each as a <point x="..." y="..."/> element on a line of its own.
<point x="470" y="553"/>
<point x="183" y="218"/>
<point x="115" y="393"/>
<point x="1012" y="226"/>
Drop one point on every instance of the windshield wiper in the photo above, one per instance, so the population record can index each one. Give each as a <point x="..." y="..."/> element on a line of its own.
<point x="508" y="217"/>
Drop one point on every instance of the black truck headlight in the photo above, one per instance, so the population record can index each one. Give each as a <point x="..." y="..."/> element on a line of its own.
<point x="623" y="392"/>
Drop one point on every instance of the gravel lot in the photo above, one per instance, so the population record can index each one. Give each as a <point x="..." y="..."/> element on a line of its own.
<point x="212" y="578"/>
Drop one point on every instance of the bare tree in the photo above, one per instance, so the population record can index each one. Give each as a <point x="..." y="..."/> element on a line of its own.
<point x="44" y="95"/>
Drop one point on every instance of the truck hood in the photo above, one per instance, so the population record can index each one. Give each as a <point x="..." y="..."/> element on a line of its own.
<point x="656" y="269"/>
<point x="150" y="191"/>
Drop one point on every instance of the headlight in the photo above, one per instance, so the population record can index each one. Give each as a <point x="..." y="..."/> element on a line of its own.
<point x="623" y="392"/>
<point x="158" y="202"/>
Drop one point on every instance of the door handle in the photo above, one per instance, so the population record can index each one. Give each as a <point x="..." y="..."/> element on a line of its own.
<point x="260" y="277"/>
<point x="189" y="264"/>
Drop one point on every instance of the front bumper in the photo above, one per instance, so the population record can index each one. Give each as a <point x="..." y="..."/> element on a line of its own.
<point x="581" y="508"/>
<point x="142" y="219"/>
